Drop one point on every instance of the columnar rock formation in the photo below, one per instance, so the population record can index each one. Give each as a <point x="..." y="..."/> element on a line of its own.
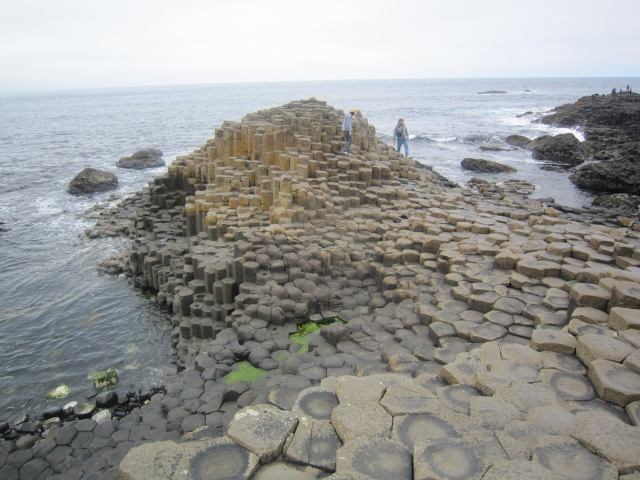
<point x="492" y="294"/>
<point x="275" y="184"/>
<point x="484" y="335"/>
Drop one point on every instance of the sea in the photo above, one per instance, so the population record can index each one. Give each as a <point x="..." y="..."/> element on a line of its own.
<point x="61" y="320"/>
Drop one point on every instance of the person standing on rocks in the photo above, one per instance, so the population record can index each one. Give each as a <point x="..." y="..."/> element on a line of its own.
<point x="402" y="135"/>
<point x="347" y="129"/>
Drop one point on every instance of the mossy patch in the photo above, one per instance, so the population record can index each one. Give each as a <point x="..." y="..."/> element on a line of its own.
<point x="244" y="372"/>
<point x="61" y="392"/>
<point x="308" y="330"/>
<point x="103" y="379"/>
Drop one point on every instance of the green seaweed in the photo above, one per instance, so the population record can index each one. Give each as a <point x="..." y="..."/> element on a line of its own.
<point x="104" y="378"/>
<point x="244" y="372"/>
<point x="302" y="339"/>
<point x="310" y="328"/>
<point x="61" y="392"/>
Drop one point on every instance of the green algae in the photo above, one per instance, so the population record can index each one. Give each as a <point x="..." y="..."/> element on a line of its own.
<point x="307" y="330"/>
<point x="105" y="378"/>
<point x="244" y="372"/>
<point x="61" y="392"/>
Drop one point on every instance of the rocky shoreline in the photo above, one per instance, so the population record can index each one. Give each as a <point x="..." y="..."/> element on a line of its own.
<point x="462" y="333"/>
<point x="608" y="158"/>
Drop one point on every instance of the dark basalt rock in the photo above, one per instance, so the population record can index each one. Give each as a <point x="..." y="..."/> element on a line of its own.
<point x="611" y="124"/>
<point x="564" y="148"/>
<point x="485" y="166"/>
<point x="621" y="202"/>
<point x="148" y="158"/>
<point x="620" y="176"/>
<point x="91" y="180"/>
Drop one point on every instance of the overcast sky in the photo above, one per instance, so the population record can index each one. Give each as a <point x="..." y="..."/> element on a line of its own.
<point x="62" y="44"/>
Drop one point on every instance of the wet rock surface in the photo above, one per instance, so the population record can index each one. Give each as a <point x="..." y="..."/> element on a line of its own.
<point x="484" y="335"/>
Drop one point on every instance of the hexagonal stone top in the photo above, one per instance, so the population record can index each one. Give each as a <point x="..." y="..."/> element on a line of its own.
<point x="375" y="459"/>
<point x="315" y="403"/>
<point x="262" y="429"/>
<point x="592" y="346"/>
<point x="450" y="459"/>
<point x="610" y="438"/>
<point x="349" y="388"/>
<point x="614" y="382"/>
<point x="361" y="419"/>
<point x="199" y="460"/>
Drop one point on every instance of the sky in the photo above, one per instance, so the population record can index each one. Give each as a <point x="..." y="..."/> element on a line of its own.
<point x="66" y="44"/>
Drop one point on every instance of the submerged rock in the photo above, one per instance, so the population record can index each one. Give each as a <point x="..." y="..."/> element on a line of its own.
<point x="61" y="392"/>
<point x="486" y="166"/>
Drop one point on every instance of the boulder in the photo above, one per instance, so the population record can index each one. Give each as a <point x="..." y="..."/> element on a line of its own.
<point x="147" y="158"/>
<point x="518" y="141"/>
<point x="485" y="166"/>
<point x="564" y="148"/>
<point x="91" y="180"/>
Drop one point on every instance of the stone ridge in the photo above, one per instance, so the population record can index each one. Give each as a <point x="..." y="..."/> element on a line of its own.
<point x="486" y="335"/>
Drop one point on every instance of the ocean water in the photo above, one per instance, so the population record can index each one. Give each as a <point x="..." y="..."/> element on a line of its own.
<point x="60" y="320"/>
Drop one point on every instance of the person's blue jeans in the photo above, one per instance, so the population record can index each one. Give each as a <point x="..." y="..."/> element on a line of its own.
<point x="349" y="139"/>
<point x="405" y="142"/>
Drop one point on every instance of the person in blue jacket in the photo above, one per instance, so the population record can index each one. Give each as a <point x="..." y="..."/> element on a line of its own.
<point x="347" y="129"/>
<point x="402" y="135"/>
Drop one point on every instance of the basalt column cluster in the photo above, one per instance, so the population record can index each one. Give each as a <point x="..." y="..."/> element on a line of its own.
<point x="255" y="204"/>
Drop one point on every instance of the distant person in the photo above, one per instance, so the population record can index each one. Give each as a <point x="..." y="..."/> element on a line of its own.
<point x="628" y="88"/>
<point x="347" y="129"/>
<point x="400" y="133"/>
<point x="613" y="92"/>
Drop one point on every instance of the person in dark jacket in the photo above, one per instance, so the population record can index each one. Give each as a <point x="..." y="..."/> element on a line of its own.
<point x="401" y="134"/>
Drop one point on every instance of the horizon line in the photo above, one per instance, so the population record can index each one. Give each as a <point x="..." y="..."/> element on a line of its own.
<point x="119" y="87"/>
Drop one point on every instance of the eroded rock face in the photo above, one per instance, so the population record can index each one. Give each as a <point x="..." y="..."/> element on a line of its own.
<point x="91" y="180"/>
<point x="486" y="166"/>
<point x="147" y="158"/>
